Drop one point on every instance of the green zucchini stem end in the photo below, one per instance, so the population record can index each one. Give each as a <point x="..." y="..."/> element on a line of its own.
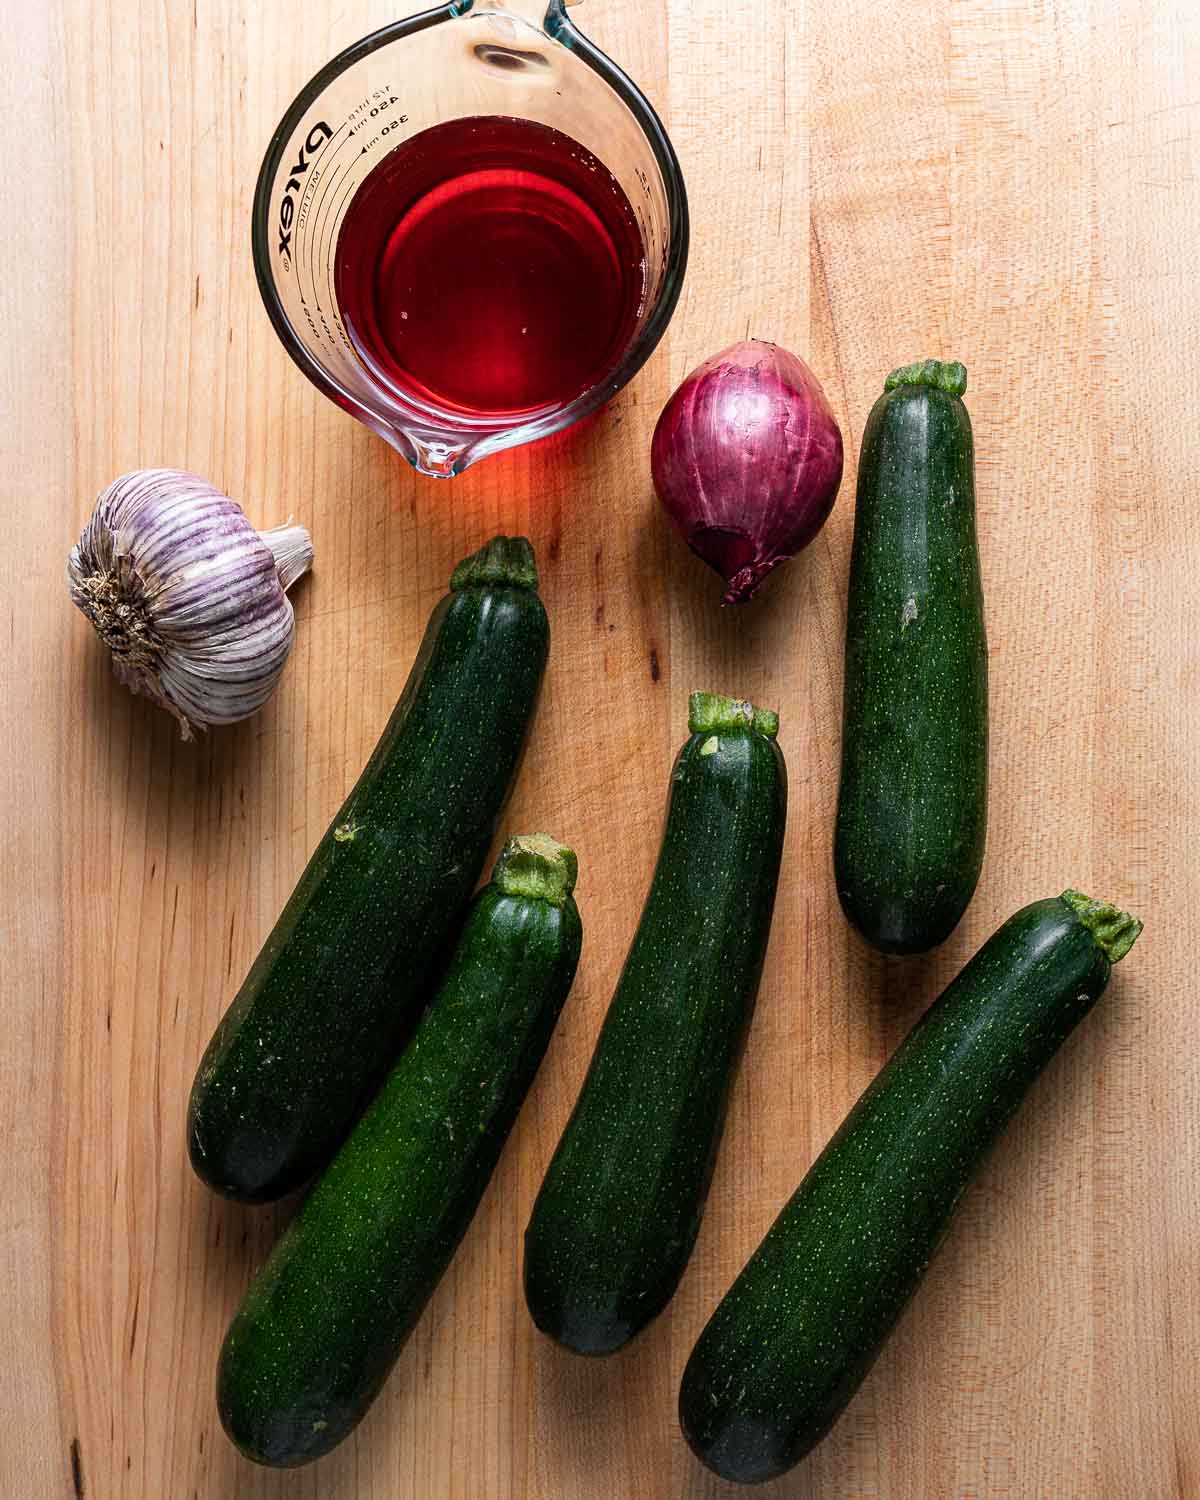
<point x="1114" y="930"/>
<point x="506" y="561"/>
<point x="710" y="713"/>
<point x="950" y="376"/>
<point x="537" y="867"/>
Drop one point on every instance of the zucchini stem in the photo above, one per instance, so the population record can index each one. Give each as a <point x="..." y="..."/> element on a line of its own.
<point x="537" y="867"/>
<point x="505" y="560"/>
<point x="1114" y="930"/>
<point x="710" y="713"/>
<point x="950" y="377"/>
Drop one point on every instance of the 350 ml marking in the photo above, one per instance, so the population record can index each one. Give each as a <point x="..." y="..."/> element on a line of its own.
<point x="369" y="111"/>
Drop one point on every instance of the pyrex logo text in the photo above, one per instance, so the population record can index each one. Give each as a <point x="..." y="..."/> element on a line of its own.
<point x="287" y="209"/>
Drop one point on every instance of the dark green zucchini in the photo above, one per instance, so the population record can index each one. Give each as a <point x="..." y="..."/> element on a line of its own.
<point x="355" y="953"/>
<point x="912" y="806"/>
<point x="325" y="1319"/>
<point x="801" y="1326"/>
<point x="620" y="1206"/>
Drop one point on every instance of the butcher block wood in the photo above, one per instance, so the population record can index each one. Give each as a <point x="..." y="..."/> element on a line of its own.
<point x="1008" y="182"/>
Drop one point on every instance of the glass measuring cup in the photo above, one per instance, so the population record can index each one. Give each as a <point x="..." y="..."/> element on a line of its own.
<point x="515" y="58"/>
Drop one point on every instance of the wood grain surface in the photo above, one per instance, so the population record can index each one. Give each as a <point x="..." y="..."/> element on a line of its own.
<point x="1009" y="182"/>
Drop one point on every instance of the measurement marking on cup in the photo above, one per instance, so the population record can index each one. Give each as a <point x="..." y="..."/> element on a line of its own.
<point x="308" y="153"/>
<point x="316" y="173"/>
<point x="373" y="97"/>
<point x="302" y="215"/>
<point x="391" y="126"/>
<point x="331" y="178"/>
<point x="328" y="144"/>
<point x="316" y="240"/>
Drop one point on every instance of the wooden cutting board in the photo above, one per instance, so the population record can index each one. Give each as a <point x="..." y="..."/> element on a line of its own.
<point x="1009" y="182"/>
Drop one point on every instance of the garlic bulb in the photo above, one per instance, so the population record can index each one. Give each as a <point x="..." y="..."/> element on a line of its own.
<point x="187" y="596"/>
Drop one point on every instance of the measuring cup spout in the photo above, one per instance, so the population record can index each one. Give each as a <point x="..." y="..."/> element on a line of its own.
<point x="435" y="457"/>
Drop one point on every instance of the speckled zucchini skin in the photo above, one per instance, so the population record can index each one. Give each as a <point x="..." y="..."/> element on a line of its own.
<point x="618" y="1212"/>
<point x="912" y="805"/>
<point x="801" y="1326"/>
<point x="325" y="1320"/>
<point x="356" y="950"/>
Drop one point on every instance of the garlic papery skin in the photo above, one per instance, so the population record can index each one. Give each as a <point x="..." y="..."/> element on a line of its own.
<point x="190" y="600"/>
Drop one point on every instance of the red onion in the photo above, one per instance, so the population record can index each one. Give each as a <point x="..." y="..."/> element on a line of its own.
<point x="747" y="459"/>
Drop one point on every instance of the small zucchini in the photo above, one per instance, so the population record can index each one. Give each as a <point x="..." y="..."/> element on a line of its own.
<point x="912" y="805"/>
<point x="327" y="1316"/>
<point x="801" y="1326"/>
<point x="356" y="950"/>
<point x="618" y="1212"/>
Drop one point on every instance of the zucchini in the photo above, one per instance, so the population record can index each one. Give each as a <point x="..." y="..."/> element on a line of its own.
<point x="357" y="948"/>
<point x="327" y="1316"/>
<point x="620" y="1206"/>
<point x="795" y="1336"/>
<point x="912" y="805"/>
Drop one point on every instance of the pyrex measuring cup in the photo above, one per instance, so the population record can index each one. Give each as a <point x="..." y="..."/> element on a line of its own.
<point x="517" y="58"/>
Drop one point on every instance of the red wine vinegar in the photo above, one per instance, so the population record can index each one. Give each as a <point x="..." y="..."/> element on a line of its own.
<point x="490" y="266"/>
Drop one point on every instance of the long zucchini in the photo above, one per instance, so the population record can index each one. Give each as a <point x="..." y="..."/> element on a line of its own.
<point x="354" y="954"/>
<point x="912" y="805"/>
<point x="620" y="1206"/>
<point x="801" y="1326"/>
<point x="326" y="1318"/>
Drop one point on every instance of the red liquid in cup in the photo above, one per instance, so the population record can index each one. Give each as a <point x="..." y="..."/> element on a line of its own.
<point x="490" y="266"/>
